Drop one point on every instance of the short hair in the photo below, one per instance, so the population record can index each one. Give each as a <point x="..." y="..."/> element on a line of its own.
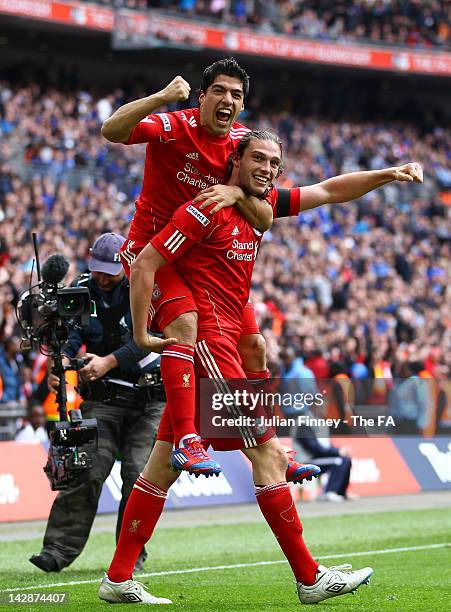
<point x="229" y="67"/>
<point x="244" y="143"/>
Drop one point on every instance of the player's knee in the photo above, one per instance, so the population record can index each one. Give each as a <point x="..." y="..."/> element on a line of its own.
<point x="184" y="328"/>
<point x="252" y="349"/>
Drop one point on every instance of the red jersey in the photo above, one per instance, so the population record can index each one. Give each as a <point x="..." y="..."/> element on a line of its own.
<point x="181" y="159"/>
<point x="219" y="254"/>
<point x="215" y="255"/>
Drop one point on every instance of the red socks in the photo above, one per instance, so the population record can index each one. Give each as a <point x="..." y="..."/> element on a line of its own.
<point x="177" y="371"/>
<point x="279" y="510"/>
<point x="142" y="512"/>
<point x="254" y="377"/>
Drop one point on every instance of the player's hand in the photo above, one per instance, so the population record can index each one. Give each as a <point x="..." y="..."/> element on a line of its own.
<point x="177" y="90"/>
<point x="412" y="172"/>
<point x="223" y="195"/>
<point x="152" y="343"/>
<point x="97" y="366"/>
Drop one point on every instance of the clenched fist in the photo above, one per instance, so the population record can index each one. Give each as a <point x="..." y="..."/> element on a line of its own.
<point x="177" y="90"/>
<point x="409" y="172"/>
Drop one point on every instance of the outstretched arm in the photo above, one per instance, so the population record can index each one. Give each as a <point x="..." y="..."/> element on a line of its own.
<point x="257" y="212"/>
<point x="120" y="125"/>
<point x="347" y="187"/>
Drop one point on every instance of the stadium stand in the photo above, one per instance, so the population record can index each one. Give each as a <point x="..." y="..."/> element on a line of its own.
<point x="366" y="283"/>
<point x="398" y="22"/>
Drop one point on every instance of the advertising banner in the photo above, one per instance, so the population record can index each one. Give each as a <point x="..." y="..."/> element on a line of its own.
<point x="135" y="30"/>
<point x="233" y="486"/>
<point x="25" y="492"/>
<point x="377" y="467"/>
<point x="428" y="459"/>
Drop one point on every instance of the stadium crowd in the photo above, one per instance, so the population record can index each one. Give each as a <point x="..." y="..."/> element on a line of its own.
<point x="363" y="283"/>
<point x="405" y="22"/>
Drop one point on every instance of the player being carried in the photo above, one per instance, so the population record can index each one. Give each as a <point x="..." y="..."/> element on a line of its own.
<point x="217" y="266"/>
<point x="187" y="151"/>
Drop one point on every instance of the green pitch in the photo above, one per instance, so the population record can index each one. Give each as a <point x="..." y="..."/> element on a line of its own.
<point x="409" y="580"/>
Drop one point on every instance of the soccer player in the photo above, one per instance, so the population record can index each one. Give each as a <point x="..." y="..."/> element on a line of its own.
<point x="218" y="267"/>
<point x="187" y="151"/>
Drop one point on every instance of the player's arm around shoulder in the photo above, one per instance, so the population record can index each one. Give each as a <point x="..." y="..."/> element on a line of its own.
<point x="119" y="127"/>
<point x="258" y="212"/>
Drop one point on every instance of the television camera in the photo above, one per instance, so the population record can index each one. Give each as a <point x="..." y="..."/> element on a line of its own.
<point x="46" y="312"/>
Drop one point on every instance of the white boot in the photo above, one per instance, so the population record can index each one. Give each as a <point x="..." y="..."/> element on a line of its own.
<point x="333" y="581"/>
<point x="129" y="591"/>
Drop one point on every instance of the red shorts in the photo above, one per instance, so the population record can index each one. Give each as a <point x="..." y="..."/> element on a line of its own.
<point x="171" y="296"/>
<point x="217" y="358"/>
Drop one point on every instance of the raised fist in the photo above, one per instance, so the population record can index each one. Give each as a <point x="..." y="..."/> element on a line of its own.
<point x="409" y="172"/>
<point x="176" y="91"/>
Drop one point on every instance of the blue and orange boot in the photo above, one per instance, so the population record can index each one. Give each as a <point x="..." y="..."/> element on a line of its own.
<point x="191" y="457"/>
<point x="297" y="472"/>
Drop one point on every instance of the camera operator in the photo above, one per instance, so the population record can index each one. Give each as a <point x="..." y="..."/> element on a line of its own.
<point x="127" y="414"/>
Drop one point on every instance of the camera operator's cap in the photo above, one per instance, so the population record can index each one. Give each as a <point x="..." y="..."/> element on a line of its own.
<point x="105" y="254"/>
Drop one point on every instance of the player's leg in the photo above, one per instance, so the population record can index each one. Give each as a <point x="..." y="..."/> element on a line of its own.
<point x="143" y="510"/>
<point x="252" y="351"/>
<point x="138" y="432"/>
<point x="174" y="311"/>
<point x="252" y="346"/>
<point x="277" y="506"/>
<point x="314" y="582"/>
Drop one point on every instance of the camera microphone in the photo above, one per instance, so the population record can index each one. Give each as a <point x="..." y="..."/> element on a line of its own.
<point x="54" y="269"/>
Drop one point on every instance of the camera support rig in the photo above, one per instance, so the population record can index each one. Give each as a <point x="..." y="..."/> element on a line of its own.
<point x="45" y="313"/>
<point x="70" y="440"/>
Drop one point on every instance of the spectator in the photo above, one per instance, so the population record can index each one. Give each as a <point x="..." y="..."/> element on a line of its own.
<point x="295" y="377"/>
<point x="408" y="400"/>
<point x="34" y="430"/>
<point x="10" y="370"/>
<point x="366" y="283"/>
<point x="333" y="461"/>
<point x="404" y="22"/>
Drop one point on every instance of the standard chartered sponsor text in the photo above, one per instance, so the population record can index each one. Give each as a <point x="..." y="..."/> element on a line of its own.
<point x="201" y="181"/>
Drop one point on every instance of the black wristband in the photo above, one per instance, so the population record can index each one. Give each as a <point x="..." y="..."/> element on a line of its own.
<point x="283" y="203"/>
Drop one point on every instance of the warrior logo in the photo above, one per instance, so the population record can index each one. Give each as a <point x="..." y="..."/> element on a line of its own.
<point x="134" y="526"/>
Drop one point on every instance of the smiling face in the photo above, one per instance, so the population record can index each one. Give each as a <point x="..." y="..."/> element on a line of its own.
<point x="259" y="165"/>
<point x="221" y="104"/>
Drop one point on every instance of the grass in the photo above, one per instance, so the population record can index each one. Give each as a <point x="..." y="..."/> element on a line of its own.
<point x="404" y="581"/>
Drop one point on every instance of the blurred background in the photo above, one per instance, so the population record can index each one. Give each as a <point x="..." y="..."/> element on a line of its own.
<point x="360" y="290"/>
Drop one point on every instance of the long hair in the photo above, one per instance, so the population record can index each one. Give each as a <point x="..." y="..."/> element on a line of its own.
<point x="244" y="143"/>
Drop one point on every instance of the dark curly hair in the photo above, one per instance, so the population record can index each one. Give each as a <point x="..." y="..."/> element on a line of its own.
<point x="229" y="67"/>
